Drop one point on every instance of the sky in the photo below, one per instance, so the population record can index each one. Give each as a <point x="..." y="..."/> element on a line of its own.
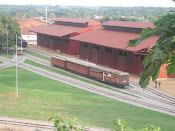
<point x="128" y="3"/>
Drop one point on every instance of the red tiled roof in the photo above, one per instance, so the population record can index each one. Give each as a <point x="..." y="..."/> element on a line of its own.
<point x="73" y="20"/>
<point x="114" y="39"/>
<point x="27" y="24"/>
<point x="128" y="24"/>
<point x="56" y="30"/>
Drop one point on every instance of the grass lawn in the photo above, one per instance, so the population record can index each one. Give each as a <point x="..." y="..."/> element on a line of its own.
<point x="3" y="53"/>
<point x="41" y="97"/>
<point x="36" y="55"/>
<point x="70" y="75"/>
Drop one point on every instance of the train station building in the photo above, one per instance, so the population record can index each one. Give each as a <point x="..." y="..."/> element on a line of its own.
<point x="56" y="36"/>
<point x="105" y="46"/>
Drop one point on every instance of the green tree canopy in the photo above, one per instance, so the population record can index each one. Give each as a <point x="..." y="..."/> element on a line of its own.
<point x="10" y="25"/>
<point x="52" y="15"/>
<point x="163" y="52"/>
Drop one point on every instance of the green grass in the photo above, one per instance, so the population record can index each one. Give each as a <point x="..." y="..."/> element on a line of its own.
<point x="1" y="62"/>
<point x="3" y="53"/>
<point x="41" y="97"/>
<point x="72" y="76"/>
<point x="36" y="55"/>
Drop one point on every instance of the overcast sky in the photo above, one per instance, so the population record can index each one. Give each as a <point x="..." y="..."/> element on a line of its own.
<point x="152" y="3"/>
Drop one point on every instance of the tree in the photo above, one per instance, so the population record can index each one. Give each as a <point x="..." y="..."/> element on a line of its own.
<point x="52" y="15"/>
<point x="10" y="25"/>
<point x="163" y="52"/>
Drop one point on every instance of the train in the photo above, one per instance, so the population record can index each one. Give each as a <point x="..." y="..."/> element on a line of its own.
<point x="91" y="70"/>
<point x="19" y="51"/>
<point x="24" y="43"/>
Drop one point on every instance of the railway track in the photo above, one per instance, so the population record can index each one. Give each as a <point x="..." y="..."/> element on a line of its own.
<point x="143" y="104"/>
<point x="146" y="94"/>
<point x="9" y="63"/>
<point x="129" y="90"/>
<point x="5" y="59"/>
<point x="34" y="126"/>
<point x="99" y="90"/>
<point x="40" y="61"/>
<point x="157" y="92"/>
<point x="39" y="52"/>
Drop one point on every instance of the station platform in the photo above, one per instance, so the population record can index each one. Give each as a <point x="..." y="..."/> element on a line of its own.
<point x="167" y="85"/>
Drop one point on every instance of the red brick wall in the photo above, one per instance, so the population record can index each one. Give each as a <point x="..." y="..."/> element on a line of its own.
<point x="163" y="72"/>
<point x="108" y="58"/>
<point x="73" y="48"/>
<point x="85" y="53"/>
<point x="130" y="63"/>
<point x="39" y="39"/>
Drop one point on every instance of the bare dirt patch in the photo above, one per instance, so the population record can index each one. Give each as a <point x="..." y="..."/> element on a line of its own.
<point x="11" y="94"/>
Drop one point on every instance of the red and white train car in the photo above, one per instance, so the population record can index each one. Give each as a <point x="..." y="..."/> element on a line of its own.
<point x="19" y="51"/>
<point x="101" y="73"/>
<point x="59" y="61"/>
<point x="79" y="66"/>
<point x="109" y="75"/>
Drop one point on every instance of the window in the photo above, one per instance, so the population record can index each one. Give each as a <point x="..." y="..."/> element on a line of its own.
<point x="96" y="47"/>
<point x="142" y="57"/>
<point x="124" y="77"/>
<point x="85" y="45"/>
<point x="121" y="77"/>
<point x="144" y="50"/>
<point x="109" y="50"/>
<point x="123" y="53"/>
<point x="66" y="40"/>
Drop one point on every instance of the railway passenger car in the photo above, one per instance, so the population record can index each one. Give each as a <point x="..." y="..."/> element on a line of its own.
<point x="109" y="75"/>
<point x="100" y="73"/>
<point x="79" y="66"/>
<point x="59" y="61"/>
<point x="19" y="51"/>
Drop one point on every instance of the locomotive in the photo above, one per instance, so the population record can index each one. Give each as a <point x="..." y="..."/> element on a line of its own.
<point x="24" y="43"/>
<point x="88" y="69"/>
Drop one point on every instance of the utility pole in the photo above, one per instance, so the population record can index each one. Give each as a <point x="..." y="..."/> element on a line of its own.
<point x="16" y="71"/>
<point x="21" y="41"/>
<point x="46" y="14"/>
<point x="7" y="40"/>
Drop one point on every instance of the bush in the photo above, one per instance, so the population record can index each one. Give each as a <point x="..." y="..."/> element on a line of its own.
<point x="63" y="124"/>
<point x="120" y="125"/>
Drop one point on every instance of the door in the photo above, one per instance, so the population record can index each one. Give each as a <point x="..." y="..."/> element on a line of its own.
<point x="95" y="56"/>
<point x="122" y="61"/>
